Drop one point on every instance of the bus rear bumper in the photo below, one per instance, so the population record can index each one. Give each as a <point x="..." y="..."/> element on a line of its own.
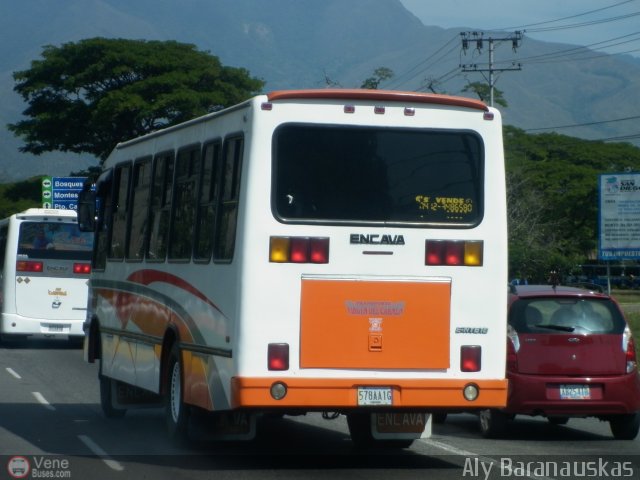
<point x="11" y="324"/>
<point x="327" y="394"/>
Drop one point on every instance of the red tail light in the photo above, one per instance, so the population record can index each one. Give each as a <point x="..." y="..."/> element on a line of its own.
<point x="82" y="268"/>
<point x="512" y="357"/>
<point x="278" y="356"/>
<point x="299" y="250"/>
<point x="29" y="266"/>
<point x="454" y="252"/>
<point x="470" y="358"/>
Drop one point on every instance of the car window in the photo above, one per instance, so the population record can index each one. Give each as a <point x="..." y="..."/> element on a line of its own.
<point x="566" y="315"/>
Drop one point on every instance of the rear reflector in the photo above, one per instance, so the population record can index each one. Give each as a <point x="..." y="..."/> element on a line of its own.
<point x="82" y="268"/>
<point x="454" y="252"/>
<point x="299" y="249"/>
<point x="470" y="358"/>
<point x="278" y="356"/>
<point x="28" y="266"/>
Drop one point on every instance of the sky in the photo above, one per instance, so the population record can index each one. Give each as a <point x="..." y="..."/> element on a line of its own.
<point x="611" y="26"/>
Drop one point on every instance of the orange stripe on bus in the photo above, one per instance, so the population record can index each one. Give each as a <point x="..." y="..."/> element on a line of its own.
<point x="322" y="394"/>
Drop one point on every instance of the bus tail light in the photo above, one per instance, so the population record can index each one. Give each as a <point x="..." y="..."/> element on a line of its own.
<point x="29" y="266"/>
<point x="278" y="356"/>
<point x="454" y="252"/>
<point x="470" y="358"/>
<point x="82" y="268"/>
<point x="299" y="249"/>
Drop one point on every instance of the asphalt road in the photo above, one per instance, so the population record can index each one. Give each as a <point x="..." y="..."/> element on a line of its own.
<point x="50" y="418"/>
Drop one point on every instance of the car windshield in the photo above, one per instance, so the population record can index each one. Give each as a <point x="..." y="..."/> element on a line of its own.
<point x="559" y="315"/>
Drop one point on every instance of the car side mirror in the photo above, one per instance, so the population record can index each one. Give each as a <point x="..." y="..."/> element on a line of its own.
<point x="87" y="211"/>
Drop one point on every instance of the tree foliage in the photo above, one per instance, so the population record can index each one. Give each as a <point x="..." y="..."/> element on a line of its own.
<point x="483" y="91"/>
<point x="85" y="97"/>
<point x="552" y="183"/>
<point x="380" y="74"/>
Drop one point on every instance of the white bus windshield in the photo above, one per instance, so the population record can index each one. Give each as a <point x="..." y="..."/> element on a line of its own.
<point x="54" y="241"/>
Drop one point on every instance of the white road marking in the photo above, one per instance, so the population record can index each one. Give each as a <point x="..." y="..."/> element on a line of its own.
<point x="14" y="373"/>
<point x="43" y="401"/>
<point x="95" y="448"/>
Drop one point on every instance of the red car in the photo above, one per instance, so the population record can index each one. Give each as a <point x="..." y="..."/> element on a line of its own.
<point x="570" y="353"/>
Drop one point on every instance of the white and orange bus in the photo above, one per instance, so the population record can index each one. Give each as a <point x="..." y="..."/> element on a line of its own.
<point x="313" y="250"/>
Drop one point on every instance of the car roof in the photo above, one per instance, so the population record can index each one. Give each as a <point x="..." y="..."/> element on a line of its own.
<point x="528" y="291"/>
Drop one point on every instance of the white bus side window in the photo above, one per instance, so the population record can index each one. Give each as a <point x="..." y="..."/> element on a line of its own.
<point x="184" y="205"/>
<point x="207" y="201"/>
<point x="138" y="227"/>
<point x="160" y="206"/>
<point x="120" y="208"/>
<point x="228" y="212"/>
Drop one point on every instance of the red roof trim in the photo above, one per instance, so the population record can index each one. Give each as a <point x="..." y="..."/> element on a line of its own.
<point x="378" y="95"/>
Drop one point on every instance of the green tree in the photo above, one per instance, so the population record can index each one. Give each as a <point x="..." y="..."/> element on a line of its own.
<point x="380" y="74"/>
<point x="85" y="97"/>
<point x="483" y="91"/>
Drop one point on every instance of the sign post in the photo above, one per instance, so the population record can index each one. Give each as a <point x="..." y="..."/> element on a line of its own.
<point x="619" y="217"/>
<point x="61" y="192"/>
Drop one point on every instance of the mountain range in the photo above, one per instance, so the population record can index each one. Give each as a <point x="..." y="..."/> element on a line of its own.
<point x="313" y="44"/>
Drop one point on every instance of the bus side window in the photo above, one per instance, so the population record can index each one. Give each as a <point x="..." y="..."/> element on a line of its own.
<point x="104" y="207"/>
<point x="137" y="231"/>
<point x="207" y="198"/>
<point x="161" y="195"/>
<point x="4" y="231"/>
<point x="227" y="215"/>
<point x="184" y="204"/>
<point x="120" y="209"/>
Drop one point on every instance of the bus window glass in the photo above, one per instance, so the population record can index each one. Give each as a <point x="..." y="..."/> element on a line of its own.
<point x="370" y="174"/>
<point x="160" y="207"/>
<point x="116" y="249"/>
<point x="187" y="170"/>
<point x="206" y="202"/>
<point x="50" y="240"/>
<point x="139" y="201"/>
<point x="230" y="181"/>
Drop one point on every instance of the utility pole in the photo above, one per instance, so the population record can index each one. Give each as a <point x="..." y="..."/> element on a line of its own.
<point x="478" y="39"/>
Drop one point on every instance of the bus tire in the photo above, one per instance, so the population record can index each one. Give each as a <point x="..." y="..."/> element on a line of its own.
<point x="176" y="411"/>
<point x="360" y="431"/>
<point x="106" y="398"/>
<point x="493" y="423"/>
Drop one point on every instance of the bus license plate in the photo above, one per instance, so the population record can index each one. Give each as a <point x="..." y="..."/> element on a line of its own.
<point x="375" y="396"/>
<point x="575" y="392"/>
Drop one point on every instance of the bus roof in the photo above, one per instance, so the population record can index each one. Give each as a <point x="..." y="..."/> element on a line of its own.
<point x="378" y="95"/>
<point x="46" y="212"/>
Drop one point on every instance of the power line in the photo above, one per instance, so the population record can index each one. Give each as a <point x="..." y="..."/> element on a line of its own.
<point x="558" y="127"/>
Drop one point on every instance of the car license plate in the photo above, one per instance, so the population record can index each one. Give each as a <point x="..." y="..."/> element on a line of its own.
<point x="375" y="396"/>
<point x="54" y="328"/>
<point x="575" y="392"/>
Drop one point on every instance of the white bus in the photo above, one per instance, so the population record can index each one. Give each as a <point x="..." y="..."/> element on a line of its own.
<point x="315" y="250"/>
<point x="45" y="262"/>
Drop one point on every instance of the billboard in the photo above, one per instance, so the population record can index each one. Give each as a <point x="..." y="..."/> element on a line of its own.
<point x="61" y="192"/>
<point x="619" y="216"/>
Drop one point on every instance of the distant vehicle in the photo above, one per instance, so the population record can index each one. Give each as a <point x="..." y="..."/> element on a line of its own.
<point x="570" y="353"/>
<point x="45" y="262"/>
<point x="315" y="250"/>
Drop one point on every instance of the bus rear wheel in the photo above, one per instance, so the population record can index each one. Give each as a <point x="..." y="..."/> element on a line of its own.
<point x="176" y="411"/>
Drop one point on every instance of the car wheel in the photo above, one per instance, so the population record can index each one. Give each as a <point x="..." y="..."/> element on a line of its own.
<point x="625" y="427"/>
<point x="493" y="423"/>
<point x="176" y="411"/>
<point x="558" y="420"/>
<point x="360" y="431"/>
<point x="106" y="397"/>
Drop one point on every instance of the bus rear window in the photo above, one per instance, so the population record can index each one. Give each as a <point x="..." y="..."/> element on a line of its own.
<point x="54" y="241"/>
<point x="377" y="174"/>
